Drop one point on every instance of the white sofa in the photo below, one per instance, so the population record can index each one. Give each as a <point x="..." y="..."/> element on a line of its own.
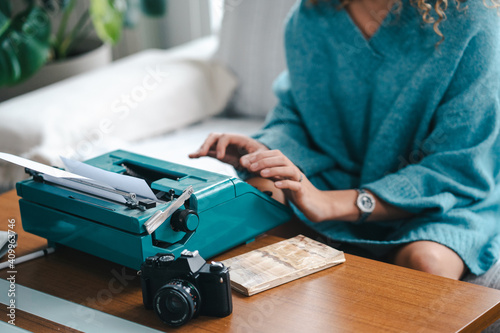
<point x="162" y="103"/>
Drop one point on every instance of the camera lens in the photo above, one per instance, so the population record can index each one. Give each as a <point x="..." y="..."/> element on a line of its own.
<point x="177" y="302"/>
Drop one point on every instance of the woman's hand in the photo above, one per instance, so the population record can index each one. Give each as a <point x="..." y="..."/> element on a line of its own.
<point x="244" y="152"/>
<point x="316" y="205"/>
<point x="228" y="148"/>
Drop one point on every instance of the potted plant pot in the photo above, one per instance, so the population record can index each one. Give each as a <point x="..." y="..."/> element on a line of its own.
<point x="90" y="54"/>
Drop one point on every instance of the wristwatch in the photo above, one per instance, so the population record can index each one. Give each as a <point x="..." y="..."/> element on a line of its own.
<point x="365" y="203"/>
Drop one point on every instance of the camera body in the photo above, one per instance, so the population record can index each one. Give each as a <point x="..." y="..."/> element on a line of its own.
<point x="181" y="289"/>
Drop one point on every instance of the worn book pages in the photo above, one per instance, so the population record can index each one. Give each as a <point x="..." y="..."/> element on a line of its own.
<point x="279" y="263"/>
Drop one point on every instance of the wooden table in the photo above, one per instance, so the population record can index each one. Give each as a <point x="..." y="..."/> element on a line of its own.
<point x="360" y="295"/>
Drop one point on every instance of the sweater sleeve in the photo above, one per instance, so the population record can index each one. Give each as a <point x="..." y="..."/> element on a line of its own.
<point x="461" y="160"/>
<point x="284" y="130"/>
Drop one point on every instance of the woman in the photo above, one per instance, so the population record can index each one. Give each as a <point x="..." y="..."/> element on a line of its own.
<point x="386" y="135"/>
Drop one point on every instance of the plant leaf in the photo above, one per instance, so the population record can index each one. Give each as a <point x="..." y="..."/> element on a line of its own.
<point x="5" y="8"/>
<point x="4" y="23"/>
<point x="24" y="46"/>
<point x="107" y="18"/>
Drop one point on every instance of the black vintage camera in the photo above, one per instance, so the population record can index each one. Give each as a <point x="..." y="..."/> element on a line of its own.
<point x="181" y="289"/>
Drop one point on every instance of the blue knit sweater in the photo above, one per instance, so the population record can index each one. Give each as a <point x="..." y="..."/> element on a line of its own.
<point x="415" y="124"/>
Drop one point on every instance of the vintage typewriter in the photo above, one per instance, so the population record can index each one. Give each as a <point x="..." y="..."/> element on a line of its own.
<point x="191" y="208"/>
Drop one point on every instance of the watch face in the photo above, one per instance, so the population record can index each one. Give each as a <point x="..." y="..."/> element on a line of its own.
<point x="366" y="202"/>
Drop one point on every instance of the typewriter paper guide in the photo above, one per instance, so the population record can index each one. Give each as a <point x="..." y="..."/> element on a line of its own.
<point x="115" y="180"/>
<point x="87" y="173"/>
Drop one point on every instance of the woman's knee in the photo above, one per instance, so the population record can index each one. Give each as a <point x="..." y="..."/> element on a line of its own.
<point x="426" y="260"/>
<point x="430" y="257"/>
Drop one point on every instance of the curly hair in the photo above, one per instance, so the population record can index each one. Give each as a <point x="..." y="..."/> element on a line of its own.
<point x="427" y="10"/>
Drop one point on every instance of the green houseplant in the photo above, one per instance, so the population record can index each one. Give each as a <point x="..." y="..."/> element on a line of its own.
<point x="29" y="37"/>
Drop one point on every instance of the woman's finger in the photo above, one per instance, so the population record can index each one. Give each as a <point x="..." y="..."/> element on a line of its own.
<point x="269" y="162"/>
<point x="220" y="149"/>
<point x="260" y="155"/>
<point x="291" y="173"/>
<point x="288" y="185"/>
<point x="241" y="143"/>
<point x="205" y="147"/>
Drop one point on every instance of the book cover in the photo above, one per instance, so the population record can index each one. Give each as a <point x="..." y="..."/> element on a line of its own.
<point x="279" y="263"/>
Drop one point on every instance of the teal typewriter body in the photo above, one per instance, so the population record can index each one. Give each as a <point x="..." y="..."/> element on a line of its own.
<point x="221" y="212"/>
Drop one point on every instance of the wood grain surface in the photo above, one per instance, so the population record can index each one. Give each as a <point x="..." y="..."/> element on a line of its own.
<point x="360" y="295"/>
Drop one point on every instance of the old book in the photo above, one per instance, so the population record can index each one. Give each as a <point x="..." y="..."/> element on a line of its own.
<point x="279" y="263"/>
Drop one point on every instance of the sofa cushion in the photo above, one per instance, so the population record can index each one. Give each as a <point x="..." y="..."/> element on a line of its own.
<point x="251" y="45"/>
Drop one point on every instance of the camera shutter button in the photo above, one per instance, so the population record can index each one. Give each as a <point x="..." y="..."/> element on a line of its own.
<point x="216" y="266"/>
